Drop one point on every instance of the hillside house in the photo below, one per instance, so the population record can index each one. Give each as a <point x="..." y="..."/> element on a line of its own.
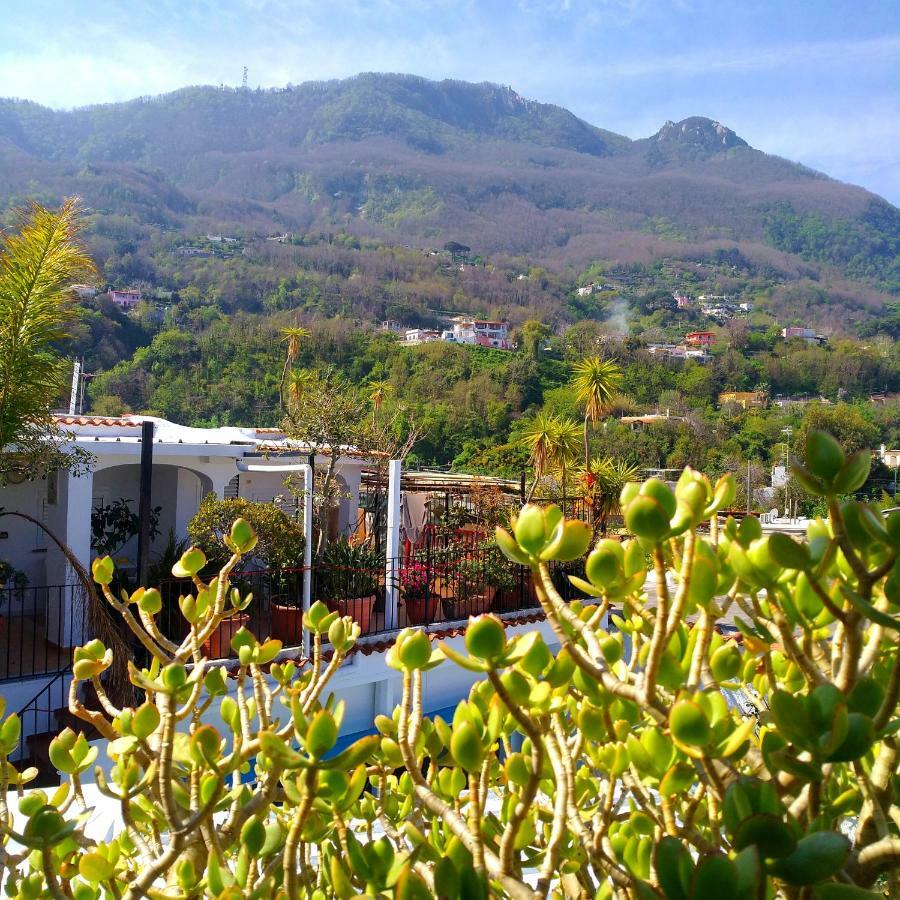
<point x="678" y="351"/>
<point x="891" y="458"/>
<point x="744" y="399"/>
<point x="482" y="332"/>
<point x="124" y="299"/>
<point x="637" y="422"/>
<point x="416" y="336"/>
<point x="682" y="301"/>
<point x="804" y="334"/>
<point x="84" y="291"/>
<point x="700" y="338"/>
<point x="391" y="325"/>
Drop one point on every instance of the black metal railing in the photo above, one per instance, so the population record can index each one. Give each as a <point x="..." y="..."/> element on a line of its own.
<point x="39" y="627"/>
<point x="442" y="582"/>
<point x="450" y="582"/>
<point x="40" y="719"/>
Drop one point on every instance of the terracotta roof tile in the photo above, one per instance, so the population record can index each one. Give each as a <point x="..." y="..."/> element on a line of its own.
<point x="98" y="421"/>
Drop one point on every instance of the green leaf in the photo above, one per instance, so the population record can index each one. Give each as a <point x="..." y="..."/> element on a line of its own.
<point x="94" y="867"/>
<point x="465" y="745"/>
<point x="689" y="724"/>
<point x="768" y="833"/>
<point x="788" y="553"/>
<point x="824" y="456"/>
<point x="854" y="473"/>
<point x="870" y="612"/>
<point x="714" y="879"/>
<point x="818" y="856"/>
<point x="673" y="868"/>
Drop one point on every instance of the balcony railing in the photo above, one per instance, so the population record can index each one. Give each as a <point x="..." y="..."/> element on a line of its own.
<point x="39" y="626"/>
<point x="434" y="585"/>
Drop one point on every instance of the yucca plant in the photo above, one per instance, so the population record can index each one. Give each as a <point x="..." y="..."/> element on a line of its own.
<point x="292" y="337"/>
<point x="595" y="381"/>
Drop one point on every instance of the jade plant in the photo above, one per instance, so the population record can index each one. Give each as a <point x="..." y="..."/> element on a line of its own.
<point x="605" y="761"/>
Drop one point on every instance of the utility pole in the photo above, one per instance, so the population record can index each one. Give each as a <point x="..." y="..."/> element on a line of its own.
<point x="76" y="380"/>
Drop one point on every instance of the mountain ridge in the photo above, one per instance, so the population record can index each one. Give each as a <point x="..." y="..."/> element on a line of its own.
<point x="425" y="161"/>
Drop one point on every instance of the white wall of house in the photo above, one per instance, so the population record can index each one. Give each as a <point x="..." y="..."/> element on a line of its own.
<point x="22" y="544"/>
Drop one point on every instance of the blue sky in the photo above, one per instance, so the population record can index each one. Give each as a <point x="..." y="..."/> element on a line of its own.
<point x="813" y="80"/>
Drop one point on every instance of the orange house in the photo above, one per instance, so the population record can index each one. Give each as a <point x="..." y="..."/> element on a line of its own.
<point x="700" y="338"/>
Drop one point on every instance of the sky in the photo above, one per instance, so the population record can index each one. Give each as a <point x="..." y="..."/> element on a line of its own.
<point x="817" y="81"/>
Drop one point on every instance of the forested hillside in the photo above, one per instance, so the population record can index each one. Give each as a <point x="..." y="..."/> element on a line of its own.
<point x="411" y="161"/>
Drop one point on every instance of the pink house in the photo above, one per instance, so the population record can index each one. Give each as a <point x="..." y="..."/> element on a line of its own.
<point x="124" y="299"/>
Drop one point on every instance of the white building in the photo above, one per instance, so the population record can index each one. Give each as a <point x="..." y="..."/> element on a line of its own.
<point x="483" y="332"/>
<point x="188" y="463"/>
<point x="416" y="336"/>
<point x="45" y="617"/>
<point x="84" y="291"/>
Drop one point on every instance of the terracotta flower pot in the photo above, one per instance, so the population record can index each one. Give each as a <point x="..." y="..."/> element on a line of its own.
<point x="219" y="644"/>
<point x="420" y="611"/>
<point x="473" y="605"/>
<point x="287" y="624"/>
<point x="358" y="608"/>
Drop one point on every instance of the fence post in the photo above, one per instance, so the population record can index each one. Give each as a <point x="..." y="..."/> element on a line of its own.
<point x="392" y="549"/>
<point x="145" y="508"/>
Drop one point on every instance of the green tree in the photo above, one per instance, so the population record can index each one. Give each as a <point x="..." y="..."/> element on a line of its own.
<point x="533" y="336"/>
<point x="292" y="338"/>
<point x="38" y="265"/>
<point x="595" y="382"/>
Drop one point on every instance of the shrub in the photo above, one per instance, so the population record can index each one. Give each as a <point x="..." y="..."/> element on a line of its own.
<point x="348" y="571"/>
<point x="583" y="773"/>
<point x="280" y="538"/>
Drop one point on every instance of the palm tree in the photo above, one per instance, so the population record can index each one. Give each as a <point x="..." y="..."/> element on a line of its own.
<point x="378" y="391"/>
<point x="540" y="438"/>
<point x="604" y="480"/>
<point x="595" y="381"/>
<point x="568" y="441"/>
<point x="38" y="266"/>
<point x="554" y="444"/>
<point x="299" y="381"/>
<point x="292" y="337"/>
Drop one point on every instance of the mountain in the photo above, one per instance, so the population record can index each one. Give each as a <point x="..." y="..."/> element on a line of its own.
<point x="421" y="162"/>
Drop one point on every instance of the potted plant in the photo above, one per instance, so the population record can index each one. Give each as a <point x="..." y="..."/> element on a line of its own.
<point x="348" y="578"/>
<point x="483" y="581"/>
<point x="421" y="603"/>
<point x="219" y="644"/>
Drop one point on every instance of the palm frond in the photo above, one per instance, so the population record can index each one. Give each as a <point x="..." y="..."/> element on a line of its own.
<point x="595" y="381"/>
<point x="38" y="265"/>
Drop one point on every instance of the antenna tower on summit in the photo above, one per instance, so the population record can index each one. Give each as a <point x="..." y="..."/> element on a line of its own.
<point x="244" y="79"/>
